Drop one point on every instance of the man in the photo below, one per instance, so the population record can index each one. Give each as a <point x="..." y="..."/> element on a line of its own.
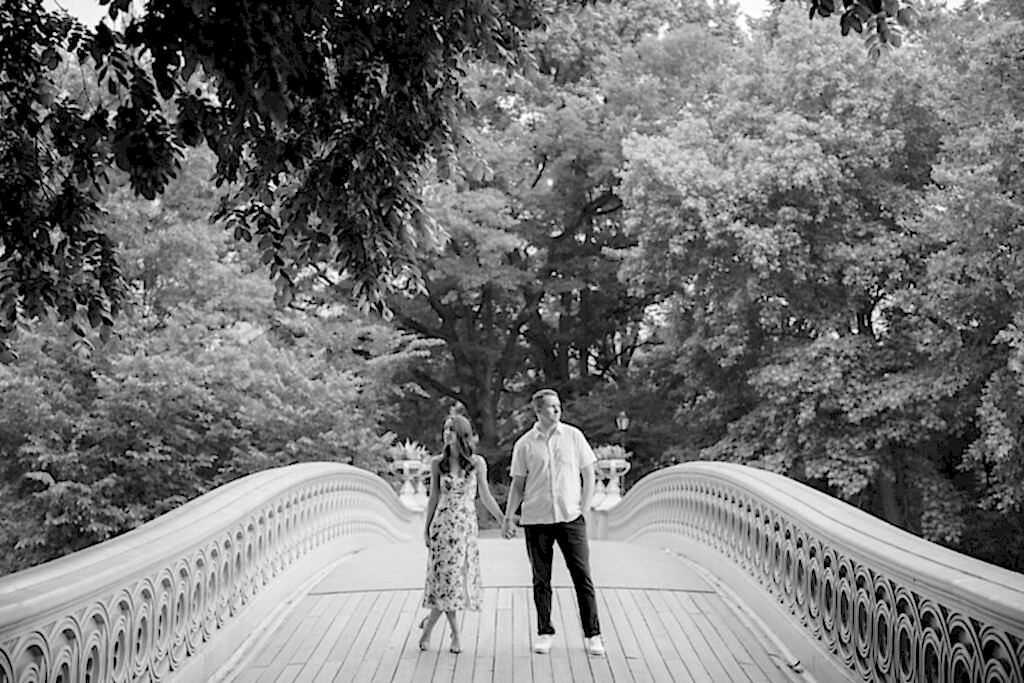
<point x="553" y="478"/>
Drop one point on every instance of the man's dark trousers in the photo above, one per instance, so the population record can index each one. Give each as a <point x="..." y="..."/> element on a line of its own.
<point x="571" y="538"/>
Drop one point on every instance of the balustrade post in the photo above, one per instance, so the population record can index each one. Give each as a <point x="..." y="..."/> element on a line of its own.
<point x="599" y="488"/>
<point x="597" y="524"/>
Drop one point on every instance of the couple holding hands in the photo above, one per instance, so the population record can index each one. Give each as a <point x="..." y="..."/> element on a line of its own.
<point x="553" y="479"/>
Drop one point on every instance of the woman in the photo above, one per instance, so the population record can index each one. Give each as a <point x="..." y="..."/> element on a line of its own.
<point x="453" y="568"/>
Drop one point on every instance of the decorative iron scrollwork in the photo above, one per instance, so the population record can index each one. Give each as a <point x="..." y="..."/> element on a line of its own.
<point x="150" y="623"/>
<point x="866" y="606"/>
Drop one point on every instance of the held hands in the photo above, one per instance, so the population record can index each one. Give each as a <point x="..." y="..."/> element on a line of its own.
<point x="508" y="527"/>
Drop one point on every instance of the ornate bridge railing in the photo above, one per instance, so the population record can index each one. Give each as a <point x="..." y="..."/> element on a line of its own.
<point x="853" y="597"/>
<point x="175" y="598"/>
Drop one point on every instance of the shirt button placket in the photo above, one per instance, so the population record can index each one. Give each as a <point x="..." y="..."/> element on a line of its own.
<point x="551" y="478"/>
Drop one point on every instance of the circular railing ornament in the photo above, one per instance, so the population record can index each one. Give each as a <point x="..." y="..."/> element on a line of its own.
<point x="140" y="606"/>
<point x="883" y="604"/>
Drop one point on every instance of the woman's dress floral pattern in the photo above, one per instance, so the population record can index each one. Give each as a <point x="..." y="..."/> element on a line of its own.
<point x="453" y="568"/>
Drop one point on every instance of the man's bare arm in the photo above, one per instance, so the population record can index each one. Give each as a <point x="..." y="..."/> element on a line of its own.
<point x="589" y="481"/>
<point x="515" y="497"/>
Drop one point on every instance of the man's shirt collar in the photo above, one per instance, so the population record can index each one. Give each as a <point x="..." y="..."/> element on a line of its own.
<point x="538" y="434"/>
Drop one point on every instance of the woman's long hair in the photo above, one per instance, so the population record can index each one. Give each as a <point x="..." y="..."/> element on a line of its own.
<point x="465" y="439"/>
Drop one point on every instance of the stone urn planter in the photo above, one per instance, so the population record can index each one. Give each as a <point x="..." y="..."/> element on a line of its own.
<point x="612" y="464"/>
<point x="412" y="482"/>
<point x="409" y="461"/>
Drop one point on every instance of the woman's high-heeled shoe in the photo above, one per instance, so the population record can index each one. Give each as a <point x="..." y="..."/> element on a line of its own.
<point x="424" y="637"/>
<point x="455" y="648"/>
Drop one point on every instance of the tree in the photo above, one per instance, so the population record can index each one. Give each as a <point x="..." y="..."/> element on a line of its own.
<point x="842" y="275"/>
<point x="769" y="213"/>
<point x="569" y="121"/>
<point x="204" y="380"/>
<point x="294" y="98"/>
<point x="973" y="294"/>
<point x="474" y="303"/>
<point x="526" y="288"/>
<point x="884" y="20"/>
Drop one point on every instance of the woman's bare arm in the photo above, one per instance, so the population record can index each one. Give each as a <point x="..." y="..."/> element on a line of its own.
<point x="435" y="486"/>
<point x="484" y="488"/>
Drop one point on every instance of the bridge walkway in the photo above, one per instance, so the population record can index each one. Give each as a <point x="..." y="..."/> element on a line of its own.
<point x="662" y="620"/>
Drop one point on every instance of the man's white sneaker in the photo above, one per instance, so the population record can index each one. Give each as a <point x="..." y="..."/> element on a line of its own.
<point x="542" y="645"/>
<point x="594" y="646"/>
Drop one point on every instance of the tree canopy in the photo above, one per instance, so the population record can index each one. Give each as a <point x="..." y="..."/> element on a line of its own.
<point x="883" y="21"/>
<point x="837" y="245"/>
<point x="323" y="117"/>
<point x="321" y="114"/>
<point x="204" y="380"/>
<point x="768" y="246"/>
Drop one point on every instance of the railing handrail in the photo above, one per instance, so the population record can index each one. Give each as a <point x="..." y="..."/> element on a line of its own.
<point x="179" y="578"/>
<point x="752" y="516"/>
<point x="98" y="567"/>
<point x="870" y="537"/>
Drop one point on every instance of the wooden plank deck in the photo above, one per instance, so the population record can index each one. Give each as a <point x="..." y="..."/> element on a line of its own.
<point x="660" y="621"/>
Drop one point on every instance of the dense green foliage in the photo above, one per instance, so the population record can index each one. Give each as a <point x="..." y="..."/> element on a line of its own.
<point x="204" y="380"/>
<point x="293" y="97"/>
<point x="839" y="249"/>
<point x="883" y="21"/>
<point x="798" y="288"/>
<point x="769" y="247"/>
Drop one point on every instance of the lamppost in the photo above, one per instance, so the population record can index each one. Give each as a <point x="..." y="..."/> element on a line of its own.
<point x="622" y="422"/>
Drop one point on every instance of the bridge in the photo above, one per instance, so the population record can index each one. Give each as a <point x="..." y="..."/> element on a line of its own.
<point x="705" y="572"/>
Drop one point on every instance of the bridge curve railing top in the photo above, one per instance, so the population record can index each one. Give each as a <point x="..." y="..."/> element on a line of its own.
<point x="885" y="604"/>
<point x="138" y="606"/>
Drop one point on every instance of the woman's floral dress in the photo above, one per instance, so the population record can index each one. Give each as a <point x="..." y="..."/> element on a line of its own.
<point x="453" y="568"/>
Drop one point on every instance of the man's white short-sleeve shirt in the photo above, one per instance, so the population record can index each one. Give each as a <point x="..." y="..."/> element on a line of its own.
<point x="552" y="467"/>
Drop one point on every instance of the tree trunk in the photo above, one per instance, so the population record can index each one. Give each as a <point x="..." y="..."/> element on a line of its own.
<point x="887" y="504"/>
